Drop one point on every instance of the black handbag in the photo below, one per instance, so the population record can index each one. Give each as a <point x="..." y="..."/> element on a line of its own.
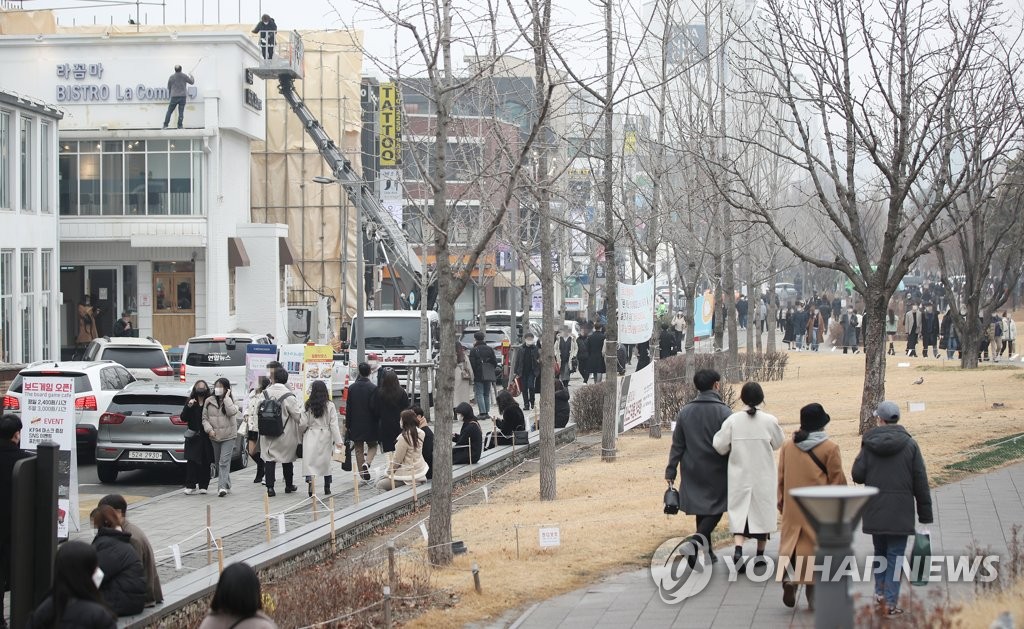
<point x="298" y="451"/>
<point x="520" y="438"/>
<point x="671" y="501"/>
<point x="346" y="465"/>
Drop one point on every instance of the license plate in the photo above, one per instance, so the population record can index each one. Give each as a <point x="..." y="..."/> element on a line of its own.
<point x="150" y="456"/>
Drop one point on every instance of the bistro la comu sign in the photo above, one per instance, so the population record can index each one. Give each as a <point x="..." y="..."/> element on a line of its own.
<point x="102" y="92"/>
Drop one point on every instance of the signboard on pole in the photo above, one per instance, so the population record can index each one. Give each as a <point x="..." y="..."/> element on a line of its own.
<point x="703" y="313"/>
<point x="256" y="359"/>
<point x="389" y="125"/>
<point x="317" y="364"/>
<point x="49" y="415"/>
<point x="291" y="357"/>
<point x="636" y="311"/>
<point x="635" y="398"/>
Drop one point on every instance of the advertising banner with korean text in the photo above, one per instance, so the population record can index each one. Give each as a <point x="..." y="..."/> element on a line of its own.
<point x="291" y="357"/>
<point x="635" y="398"/>
<point x="317" y="364"/>
<point x="636" y="312"/>
<point x="256" y="358"/>
<point x="703" y="313"/>
<point x="49" y="415"/>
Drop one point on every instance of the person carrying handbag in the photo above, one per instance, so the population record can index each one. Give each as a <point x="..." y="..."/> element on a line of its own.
<point x="220" y="421"/>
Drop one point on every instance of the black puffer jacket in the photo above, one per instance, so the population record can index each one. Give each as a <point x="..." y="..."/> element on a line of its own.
<point x="124" y="582"/>
<point x="561" y="408"/>
<point x="891" y="460"/>
<point x="79" y="614"/>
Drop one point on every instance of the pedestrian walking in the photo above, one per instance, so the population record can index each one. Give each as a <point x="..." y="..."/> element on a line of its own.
<point x="484" y="363"/>
<point x="891" y="327"/>
<point x="595" y="353"/>
<point x="912" y="325"/>
<point x="949" y="338"/>
<point x="198" y="447"/>
<point x="565" y="353"/>
<point x="787" y="322"/>
<point x="679" y="327"/>
<point x="527" y="367"/>
<point x="996" y="335"/>
<point x="87" y="329"/>
<point x="238" y="601"/>
<point x="321" y="434"/>
<point x="667" y="343"/>
<point x="850" y="331"/>
<point x="930" y="331"/>
<point x="387" y="404"/>
<point x="464" y="390"/>
<point x="74" y="600"/>
<point x="267" y="30"/>
<point x="749" y="437"/>
<point x="251" y="425"/>
<point x="891" y="460"/>
<point x="583" y="352"/>
<point x="809" y="459"/>
<point x="815" y="328"/>
<point x="220" y="421"/>
<point x="10" y="453"/>
<point x="1009" y="336"/>
<point x="408" y="464"/>
<point x="360" y="421"/>
<point x="140" y="542"/>
<point x="124" y="583"/>
<point x="703" y="487"/>
<point x="281" y="408"/>
<point x="801" y="318"/>
<point x="177" y="89"/>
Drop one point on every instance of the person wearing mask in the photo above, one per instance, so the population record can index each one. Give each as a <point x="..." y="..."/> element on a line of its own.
<point x="787" y="324"/>
<point x="177" y="89"/>
<point x="703" y="471"/>
<point x="469" y="442"/>
<point x="835" y="331"/>
<point x="948" y="336"/>
<point x="527" y="367"/>
<point x="891" y="327"/>
<point x="912" y="325"/>
<point x="815" y="328"/>
<point x="891" y="460"/>
<point x="408" y="464"/>
<point x="251" y="425"/>
<point x="428" y="440"/>
<point x="220" y="421"/>
<point x="930" y="331"/>
<point x="595" y="353"/>
<point x="561" y="406"/>
<point x="74" y="600"/>
<point x="267" y="30"/>
<point x="850" y="331"/>
<point x="238" y="601"/>
<point x="742" y="308"/>
<point x="139" y="541"/>
<point x="565" y="354"/>
<point x="282" y="448"/>
<point x="801" y="318"/>
<point x="124" y="581"/>
<point x="750" y="437"/>
<point x="484" y="363"/>
<point x="1009" y="336"/>
<point x="198" y="447"/>
<point x="87" y="329"/>
<point x="387" y="405"/>
<point x="667" y="343"/>
<point x="511" y="420"/>
<point x="679" y="328"/>
<point x="124" y="327"/>
<point x="995" y="327"/>
<point x="321" y="434"/>
<point x="583" y="352"/>
<point x="10" y="453"/>
<point x="809" y="459"/>
<point x="360" y="421"/>
<point x="464" y="389"/>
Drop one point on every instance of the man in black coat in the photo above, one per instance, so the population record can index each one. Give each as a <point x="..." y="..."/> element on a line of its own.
<point x="360" y="422"/>
<point x="667" y="342"/>
<point x="930" y="331"/>
<point x="891" y="460"/>
<point x="10" y="453"/>
<point x="595" y="353"/>
<point x="484" y="362"/>
<point x="704" y="481"/>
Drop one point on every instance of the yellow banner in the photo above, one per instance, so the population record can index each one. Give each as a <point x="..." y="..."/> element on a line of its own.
<point x="390" y="123"/>
<point x="317" y="364"/>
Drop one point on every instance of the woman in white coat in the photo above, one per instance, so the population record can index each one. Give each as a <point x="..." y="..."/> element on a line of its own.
<point x="320" y="434"/>
<point x="408" y="463"/>
<point x="749" y="437"/>
<point x="463" y="376"/>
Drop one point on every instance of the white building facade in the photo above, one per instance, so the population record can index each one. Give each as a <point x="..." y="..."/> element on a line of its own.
<point x="156" y="223"/>
<point x="29" y="247"/>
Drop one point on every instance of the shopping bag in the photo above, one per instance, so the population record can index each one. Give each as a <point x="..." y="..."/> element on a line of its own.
<point x="513" y="387"/>
<point x="920" y="556"/>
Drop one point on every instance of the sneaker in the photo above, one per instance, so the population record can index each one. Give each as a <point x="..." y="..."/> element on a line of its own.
<point x="365" y="472"/>
<point x="202" y="492"/>
<point x="894" y="612"/>
<point x="191" y="491"/>
<point x="222" y="493"/>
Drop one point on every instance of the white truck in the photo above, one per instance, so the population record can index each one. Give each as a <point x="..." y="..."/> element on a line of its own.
<point x="392" y="340"/>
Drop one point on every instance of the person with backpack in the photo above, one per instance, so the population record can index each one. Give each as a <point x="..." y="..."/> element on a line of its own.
<point x="360" y="423"/>
<point x="484" y="363"/>
<point x="279" y="415"/>
<point x="198" y="448"/>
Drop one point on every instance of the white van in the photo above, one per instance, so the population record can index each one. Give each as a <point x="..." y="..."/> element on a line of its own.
<point x="213" y="356"/>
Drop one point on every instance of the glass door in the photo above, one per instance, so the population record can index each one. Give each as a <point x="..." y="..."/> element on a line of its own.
<point x="102" y="287"/>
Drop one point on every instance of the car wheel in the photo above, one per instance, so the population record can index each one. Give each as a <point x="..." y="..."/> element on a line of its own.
<point x="107" y="472"/>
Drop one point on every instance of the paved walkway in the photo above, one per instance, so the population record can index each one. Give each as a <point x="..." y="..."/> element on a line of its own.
<point x="980" y="509"/>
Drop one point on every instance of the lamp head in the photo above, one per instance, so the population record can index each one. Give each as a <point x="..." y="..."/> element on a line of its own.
<point x="833" y="507"/>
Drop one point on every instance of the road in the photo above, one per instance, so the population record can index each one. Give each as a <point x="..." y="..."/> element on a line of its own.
<point x="138" y="484"/>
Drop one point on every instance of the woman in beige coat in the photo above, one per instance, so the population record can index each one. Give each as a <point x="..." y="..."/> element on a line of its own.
<point x="320" y="434"/>
<point x="463" y="376"/>
<point x="220" y="421"/>
<point x="408" y="463"/>
<point x="806" y="460"/>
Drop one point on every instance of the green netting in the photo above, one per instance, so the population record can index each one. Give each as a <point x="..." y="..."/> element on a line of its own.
<point x="992" y="453"/>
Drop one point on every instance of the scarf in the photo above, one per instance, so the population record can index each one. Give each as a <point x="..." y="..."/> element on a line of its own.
<point x="812" y="440"/>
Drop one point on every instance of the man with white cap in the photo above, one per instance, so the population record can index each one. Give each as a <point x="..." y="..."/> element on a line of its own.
<point x="891" y="460"/>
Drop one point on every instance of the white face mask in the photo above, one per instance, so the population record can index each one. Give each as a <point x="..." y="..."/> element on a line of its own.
<point x="218" y="391"/>
<point x="97" y="577"/>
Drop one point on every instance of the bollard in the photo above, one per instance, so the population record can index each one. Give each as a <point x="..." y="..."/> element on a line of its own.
<point x="266" y="514"/>
<point x="220" y="555"/>
<point x="334" y="542"/>
<point x="391" y="564"/>
<point x="476" y="578"/>
<point x="387" y="607"/>
<point x="209" y="534"/>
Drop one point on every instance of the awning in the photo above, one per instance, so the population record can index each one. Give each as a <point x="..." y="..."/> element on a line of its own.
<point x="503" y="279"/>
<point x="284" y="252"/>
<point x="236" y="253"/>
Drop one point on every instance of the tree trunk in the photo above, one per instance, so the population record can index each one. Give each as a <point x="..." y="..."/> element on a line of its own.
<point x="874" y="361"/>
<point x="970" y="337"/>
<point x="608" y="423"/>
<point x="770" y="323"/>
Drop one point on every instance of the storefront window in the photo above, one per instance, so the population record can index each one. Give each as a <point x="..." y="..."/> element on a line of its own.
<point x="134" y="177"/>
<point x="28" y="305"/>
<point x="7" y="304"/>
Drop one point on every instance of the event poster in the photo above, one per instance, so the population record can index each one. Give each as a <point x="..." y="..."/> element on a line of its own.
<point x="49" y="415"/>
<point x="635" y="398"/>
<point x="317" y="364"/>
<point x="291" y="357"/>
<point x="703" y="314"/>
<point x="636" y="312"/>
<point x="256" y="358"/>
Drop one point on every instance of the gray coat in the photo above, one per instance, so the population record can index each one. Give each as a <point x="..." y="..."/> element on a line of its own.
<point x="704" y="481"/>
<point x="282" y="449"/>
<point x="177" y="84"/>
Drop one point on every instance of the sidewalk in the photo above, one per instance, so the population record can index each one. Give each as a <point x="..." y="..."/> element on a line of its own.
<point x="982" y="509"/>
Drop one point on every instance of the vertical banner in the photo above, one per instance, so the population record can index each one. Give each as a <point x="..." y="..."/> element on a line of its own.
<point x="256" y="359"/>
<point x="390" y="192"/>
<point x="390" y="123"/>
<point x="703" y="312"/>
<point x="49" y="415"/>
<point x="635" y="399"/>
<point x="636" y="312"/>
<point x="317" y="364"/>
<point x="291" y="357"/>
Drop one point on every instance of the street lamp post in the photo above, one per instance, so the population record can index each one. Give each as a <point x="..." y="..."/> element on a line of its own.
<point x="833" y="511"/>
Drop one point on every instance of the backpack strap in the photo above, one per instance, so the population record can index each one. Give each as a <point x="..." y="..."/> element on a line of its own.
<point x="280" y="401"/>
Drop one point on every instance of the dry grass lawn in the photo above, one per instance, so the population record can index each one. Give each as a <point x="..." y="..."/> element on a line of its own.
<point x="610" y="514"/>
<point x="981" y="612"/>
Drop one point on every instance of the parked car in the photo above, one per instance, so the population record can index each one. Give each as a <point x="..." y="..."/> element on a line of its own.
<point x="144" y="358"/>
<point x="213" y="356"/>
<point x="143" y="428"/>
<point x="96" y="384"/>
<point x="787" y="293"/>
